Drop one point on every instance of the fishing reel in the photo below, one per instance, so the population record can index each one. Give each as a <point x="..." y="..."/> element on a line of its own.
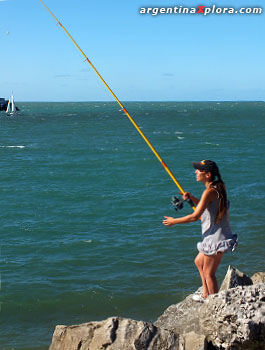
<point x="177" y="203"/>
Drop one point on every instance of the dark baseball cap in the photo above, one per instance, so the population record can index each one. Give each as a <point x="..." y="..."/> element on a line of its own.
<point x="207" y="165"/>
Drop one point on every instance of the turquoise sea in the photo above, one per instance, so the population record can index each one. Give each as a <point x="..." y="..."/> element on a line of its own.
<point x="83" y="198"/>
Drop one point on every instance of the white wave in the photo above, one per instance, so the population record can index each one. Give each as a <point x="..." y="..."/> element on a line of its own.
<point x="12" y="146"/>
<point x="214" y="144"/>
<point x="181" y="137"/>
<point x="178" y="132"/>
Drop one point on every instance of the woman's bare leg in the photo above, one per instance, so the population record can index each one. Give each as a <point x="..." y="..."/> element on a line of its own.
<point x="210" y="265"/>
<point x="199" y="262"/>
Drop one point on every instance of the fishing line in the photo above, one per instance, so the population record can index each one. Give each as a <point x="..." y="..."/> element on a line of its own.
<point x="121" y="105"/>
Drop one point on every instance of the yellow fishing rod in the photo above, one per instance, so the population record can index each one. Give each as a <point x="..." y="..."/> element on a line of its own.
<point x="121" y="105"/>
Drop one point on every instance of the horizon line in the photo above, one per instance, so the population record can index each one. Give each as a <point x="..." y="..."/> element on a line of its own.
<point x="142" y="101"/>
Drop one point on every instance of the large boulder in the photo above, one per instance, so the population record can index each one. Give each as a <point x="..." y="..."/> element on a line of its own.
<point x="235" y="319"/>
<point x="231" y="319"/>
<point x="115" y="333"/>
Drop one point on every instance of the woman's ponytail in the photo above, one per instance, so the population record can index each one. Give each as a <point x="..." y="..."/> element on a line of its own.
<point x="219" y="185"/>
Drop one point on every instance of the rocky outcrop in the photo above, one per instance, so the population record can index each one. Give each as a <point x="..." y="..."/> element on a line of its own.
<point x="184" y="316"/>
<point x="115" y="333"/>
<point x="233" y="319"/>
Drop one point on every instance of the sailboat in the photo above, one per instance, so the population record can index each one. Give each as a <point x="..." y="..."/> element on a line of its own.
<point x="11" y="108"/>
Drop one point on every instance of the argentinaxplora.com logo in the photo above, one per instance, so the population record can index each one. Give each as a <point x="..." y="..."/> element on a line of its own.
<point x="203" y="10"/>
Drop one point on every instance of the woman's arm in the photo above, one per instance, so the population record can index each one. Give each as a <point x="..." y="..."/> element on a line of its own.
<point x="208" y="196"/>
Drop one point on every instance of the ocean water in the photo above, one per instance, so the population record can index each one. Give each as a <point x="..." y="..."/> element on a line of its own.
<point x="83" y="198"/>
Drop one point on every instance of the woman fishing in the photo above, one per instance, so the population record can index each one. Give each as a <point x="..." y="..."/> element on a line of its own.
<point x="212" y="208"/>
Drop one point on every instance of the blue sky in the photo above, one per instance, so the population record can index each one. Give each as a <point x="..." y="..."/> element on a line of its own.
<point x="142" y="57"/>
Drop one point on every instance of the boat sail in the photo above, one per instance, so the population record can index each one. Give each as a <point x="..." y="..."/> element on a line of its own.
<point x="11" y="108"/>
<point x="8" y="109"/>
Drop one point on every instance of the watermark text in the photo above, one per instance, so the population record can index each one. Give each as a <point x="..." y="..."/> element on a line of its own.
<point x="203" y="10"/>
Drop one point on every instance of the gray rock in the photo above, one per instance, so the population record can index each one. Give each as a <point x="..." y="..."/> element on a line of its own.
<point x="182" y="317"/>
<point x="235" y="319"/>
<point x="192" y="341"/>
<point x="113" y="334"/>
<point x="234" y="278"/>
<point x="232" y="319"/>
<point x="258" y="277"/>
